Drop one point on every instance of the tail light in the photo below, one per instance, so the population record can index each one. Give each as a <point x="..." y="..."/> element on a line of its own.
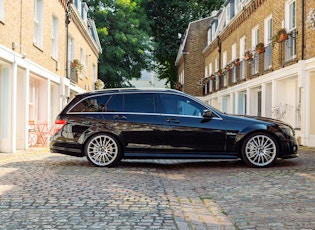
<point x="59" y="124"/>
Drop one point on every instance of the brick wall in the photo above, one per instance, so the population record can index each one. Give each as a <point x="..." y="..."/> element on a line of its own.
<point x="192" y="60"/>
<point x="18" y="27"/>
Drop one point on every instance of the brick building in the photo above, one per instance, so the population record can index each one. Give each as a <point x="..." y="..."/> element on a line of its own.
<point x="41" y="44"/>
<point x="277" y="81"/>
<point x="190" y="60"/>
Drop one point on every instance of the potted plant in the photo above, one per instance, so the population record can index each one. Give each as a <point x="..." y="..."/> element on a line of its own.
<point x="228" y="67"/>
<point x="220" y="72"/>
<point x="212" y="77"/>
<point x="260" y="48"/>
<point x="248" y="55"/>
<point x="236" y="62"/>
<point x="281" y="35"/>
<point x="76" y="65"/>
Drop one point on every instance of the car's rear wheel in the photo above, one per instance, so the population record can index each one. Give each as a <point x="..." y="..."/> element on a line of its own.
<point x="103" y="150"/>
<point x="260" y="150"/>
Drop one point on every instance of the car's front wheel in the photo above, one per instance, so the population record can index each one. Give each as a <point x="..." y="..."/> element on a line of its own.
<point x="260" y="150"/>
<point x="103" y="150"/>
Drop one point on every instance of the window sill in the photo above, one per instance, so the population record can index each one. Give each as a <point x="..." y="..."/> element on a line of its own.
<point x="39" y="48"/>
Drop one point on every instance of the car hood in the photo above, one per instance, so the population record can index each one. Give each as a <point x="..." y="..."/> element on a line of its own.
<point x="264" y="119"/>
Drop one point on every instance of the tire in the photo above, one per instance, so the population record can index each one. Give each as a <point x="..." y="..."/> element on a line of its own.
<point x="260" y="150"/>
<point x="103" y="150"/>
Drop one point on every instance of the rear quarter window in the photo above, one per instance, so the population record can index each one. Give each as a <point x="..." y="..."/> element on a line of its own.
<point x="91" y="104"/>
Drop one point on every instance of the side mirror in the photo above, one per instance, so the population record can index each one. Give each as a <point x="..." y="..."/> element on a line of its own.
<point x="207" y="114"/>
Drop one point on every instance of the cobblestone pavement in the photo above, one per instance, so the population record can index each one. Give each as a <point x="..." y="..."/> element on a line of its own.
<point x="41" y="190"/>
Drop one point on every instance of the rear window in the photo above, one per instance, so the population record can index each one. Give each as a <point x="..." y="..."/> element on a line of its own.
<point x="139" y="103"/>
<point x="91" y="104"/>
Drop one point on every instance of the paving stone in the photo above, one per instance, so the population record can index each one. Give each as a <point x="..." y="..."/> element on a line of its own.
<point x="41" y="190"/>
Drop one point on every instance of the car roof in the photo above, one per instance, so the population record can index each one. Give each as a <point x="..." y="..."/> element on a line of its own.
<point x="124" y="90"/>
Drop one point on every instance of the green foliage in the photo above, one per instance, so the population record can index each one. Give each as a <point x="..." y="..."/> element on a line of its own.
<point x="170" y="19"/>
<point x="123" y="30"/>
<point x="131" y="31"/>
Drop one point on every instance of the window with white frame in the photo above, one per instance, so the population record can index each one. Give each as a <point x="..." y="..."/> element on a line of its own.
<point x="210" y="69"/>
<point x="290" y="20"/>
<point x="238" y="6"/>
<point x="255" y="40"/>
<point x="255" y="36"/>
<point x="224" y="58"/>
<point x="94" y="73"/>
<point x="206" y="72"/>
<point x="291" y="15"/>
<point x="54" y="38"/>
<point x="268" y="30"/>
<point x="216" y="63"/>
<point x="78" y="5"/>
<point x="242" y="46"/>
<point x="1" y="10"/>
<point x="228" y="13"/>
<point x="81" y="55"/>
<point x="213" y="29"/>
<point x="84" y="12"/>
<point x="234" y="51"/>
<point x="38" y="22"/>
<point x="209" y="36"/>
<point x="86" y="64"/>
<point x="70" y="51"/>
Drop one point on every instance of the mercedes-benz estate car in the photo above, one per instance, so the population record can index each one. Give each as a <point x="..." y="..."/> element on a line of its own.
<point x="110" y="125"/>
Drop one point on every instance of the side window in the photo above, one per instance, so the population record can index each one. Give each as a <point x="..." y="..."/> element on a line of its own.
<point x="115" y="104"/>
<point x="91" y="104"/>
<point x="174" y="104"/>
<point x="139" y="102"/>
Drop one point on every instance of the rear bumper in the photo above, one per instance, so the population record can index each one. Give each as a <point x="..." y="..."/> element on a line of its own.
<point x="66" y="148"/>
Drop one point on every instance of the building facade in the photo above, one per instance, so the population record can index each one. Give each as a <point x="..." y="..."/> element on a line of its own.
<point x="48" y="53"/>
<point x="259" y="60"/>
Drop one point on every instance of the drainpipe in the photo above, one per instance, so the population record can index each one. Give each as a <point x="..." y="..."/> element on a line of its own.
<point x="219" y="51"/>
<point x="303" y="29"/>
<point x="68" y="20"/>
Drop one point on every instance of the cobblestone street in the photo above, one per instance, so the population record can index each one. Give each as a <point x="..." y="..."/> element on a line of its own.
<point x="41" y="190"/>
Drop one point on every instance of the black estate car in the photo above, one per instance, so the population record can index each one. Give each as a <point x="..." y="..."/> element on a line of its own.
<point x="109" y="125"/>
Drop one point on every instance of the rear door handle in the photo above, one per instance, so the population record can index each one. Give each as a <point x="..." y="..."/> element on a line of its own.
<point x="172" y="120"/>
<point x="120" y="117"/>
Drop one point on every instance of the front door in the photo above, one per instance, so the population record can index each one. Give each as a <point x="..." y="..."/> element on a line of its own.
<point x="186" y="130"/>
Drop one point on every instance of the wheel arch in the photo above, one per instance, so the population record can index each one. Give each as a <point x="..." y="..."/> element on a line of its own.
<point x="241" y="137"/>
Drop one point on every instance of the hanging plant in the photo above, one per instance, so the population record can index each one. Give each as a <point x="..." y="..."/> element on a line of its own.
<point x="260" y="48"/>
<point x="220" y="72"/>
<point x="228" y="67"/>
<point x="311" y="18"/>
<point x="280" y="36"/>
<point x="236" y="62"/>
<point x="248" y="55"/>
<point x="76" y="65"/>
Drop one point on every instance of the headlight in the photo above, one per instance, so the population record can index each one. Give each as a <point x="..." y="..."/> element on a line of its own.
<point x="288" y="130"/>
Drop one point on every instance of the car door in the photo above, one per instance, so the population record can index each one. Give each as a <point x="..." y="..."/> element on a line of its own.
<point x="186" y="130"/>
<point x="136" y="121"/>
